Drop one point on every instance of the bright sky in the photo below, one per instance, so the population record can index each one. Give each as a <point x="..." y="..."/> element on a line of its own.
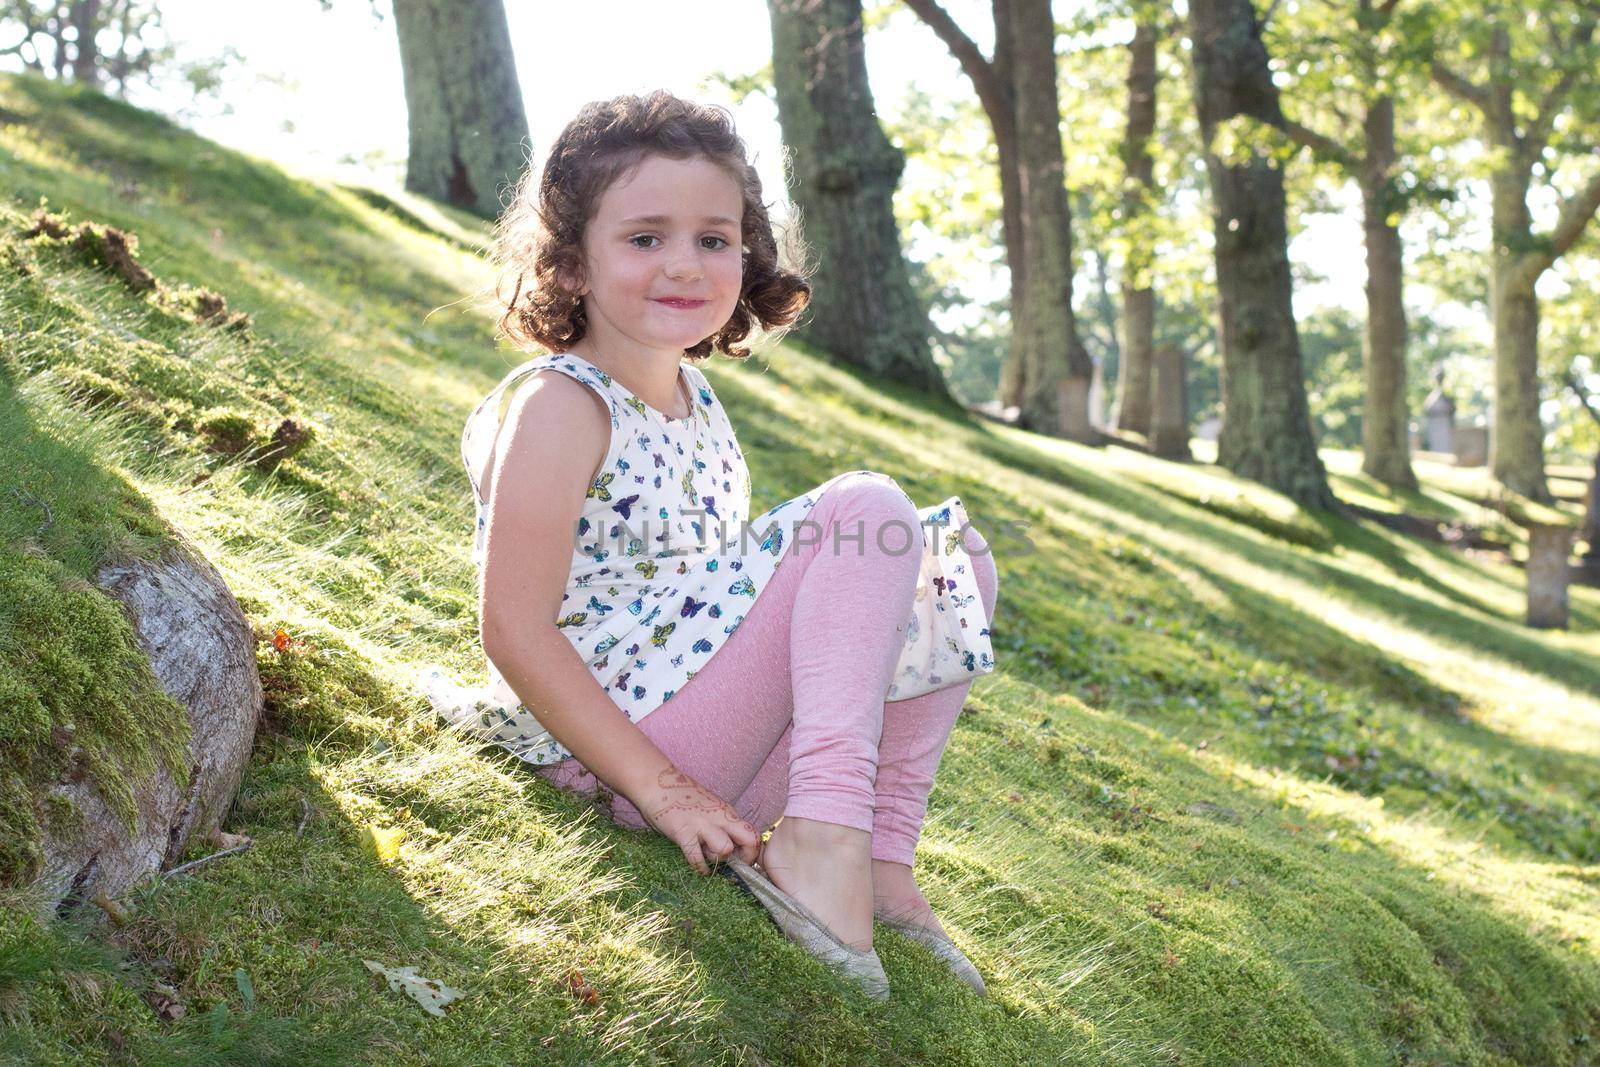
<point x="322" y="90"/>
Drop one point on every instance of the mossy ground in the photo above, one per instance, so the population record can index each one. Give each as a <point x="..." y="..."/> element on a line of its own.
<point x="1249" y="786"/>
<point x="77" y="697"/>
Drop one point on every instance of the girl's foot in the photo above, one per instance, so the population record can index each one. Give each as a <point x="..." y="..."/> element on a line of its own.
<point x="827" y="868"/>
<point x="895" y="896"/>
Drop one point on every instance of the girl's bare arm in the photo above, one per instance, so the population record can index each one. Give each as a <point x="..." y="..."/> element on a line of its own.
<point x="555" y="436"/>
<point x="551" y="448"/>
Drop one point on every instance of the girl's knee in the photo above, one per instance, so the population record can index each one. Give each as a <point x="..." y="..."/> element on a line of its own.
<point x="889" y="517"/>
<point x="871" y="486"/>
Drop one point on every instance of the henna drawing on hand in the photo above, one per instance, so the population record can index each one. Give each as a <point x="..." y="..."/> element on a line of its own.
<point x="683" y="793"/>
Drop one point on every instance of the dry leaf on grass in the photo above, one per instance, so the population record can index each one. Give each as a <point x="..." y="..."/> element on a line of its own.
<point x="163" y="1000"/>
<point x="218" y="839"/>
<point x="582" y="989"/>
<point x="430" y="994"/>
<point x="383" y="841"/>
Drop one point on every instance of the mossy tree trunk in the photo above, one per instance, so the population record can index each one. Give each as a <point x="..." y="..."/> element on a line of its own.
<point x="997" y="82"/>
<point x="463" y="103"/>
<point x="1386" y="439"/>
<point x="128" y="818"/>
<point x="1055" y="366"/>
<point x="1266" y="422"/>
<point x="1522" y="133"/>
<point x="1135" y="375"/>
<point x="844" y="171"/>
<point x="1385" y="424"/>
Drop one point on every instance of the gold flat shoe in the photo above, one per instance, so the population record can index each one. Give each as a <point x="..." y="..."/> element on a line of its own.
<point x="942" y="947"/>
<point x="801" y="925"/>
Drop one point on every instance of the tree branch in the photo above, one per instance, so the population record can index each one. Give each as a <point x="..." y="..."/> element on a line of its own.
<point x="1459" y="86"/>
<point x="966" y="51"/>
<point x="1575" y="215"/>
<point x="1583" y="395"/>
<point x="1322" y="147"/>
<point x="1550" y="106"/>
<point x="1539" y="129"/>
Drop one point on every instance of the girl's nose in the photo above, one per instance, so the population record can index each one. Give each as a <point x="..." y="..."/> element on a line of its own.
<point x="684" y="264"/>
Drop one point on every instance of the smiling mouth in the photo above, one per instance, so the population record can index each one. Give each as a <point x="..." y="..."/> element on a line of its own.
<point x="685" y="304"/>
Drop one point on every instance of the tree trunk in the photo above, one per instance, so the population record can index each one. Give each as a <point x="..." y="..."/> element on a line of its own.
<point x="1011" y="373"/>
<point x="85" y="20"/>
<point x="1516" y="435"/>
<point x="463" y="103"/>
<point x="844" y="172"/>
<point x="1139" y="299"/>
<point x="1003" y="120"/>
<point x="202" y="651"/>
<point x="1266" y="422"/>
<point x="1385" y="425"/>
<point x="1589" y="529"/>
<point x="1518" y="255"/>
<point x="994" y="82"/>
<point x="1056" y="368"/>
<point x="1105" y="350"/>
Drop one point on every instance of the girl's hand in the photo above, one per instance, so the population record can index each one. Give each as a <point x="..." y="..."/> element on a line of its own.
<point x="698" y="821"/>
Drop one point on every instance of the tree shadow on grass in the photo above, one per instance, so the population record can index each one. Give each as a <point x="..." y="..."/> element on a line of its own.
<point x="1311" y="645"/>
<point x="1261" y="937"/>
<point x="503" y="884"/>
<point x="1504" y="640"/>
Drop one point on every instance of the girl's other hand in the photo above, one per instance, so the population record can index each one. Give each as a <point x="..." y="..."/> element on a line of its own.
<point x="698" y="821"/>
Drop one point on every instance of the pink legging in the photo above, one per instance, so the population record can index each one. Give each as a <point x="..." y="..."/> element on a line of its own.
<point x="788" y="716"/>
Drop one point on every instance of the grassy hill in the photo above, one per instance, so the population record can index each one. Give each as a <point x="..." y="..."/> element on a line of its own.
<point x="1249" y="786"/>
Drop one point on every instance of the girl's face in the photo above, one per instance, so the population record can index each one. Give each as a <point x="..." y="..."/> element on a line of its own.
<point x="662" y="257"/>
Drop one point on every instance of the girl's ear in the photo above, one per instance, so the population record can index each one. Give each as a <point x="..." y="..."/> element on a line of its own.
<point x="572" y="281"/>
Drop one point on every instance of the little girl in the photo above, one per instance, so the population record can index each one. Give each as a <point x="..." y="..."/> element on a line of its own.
<point x="706" y="673"/>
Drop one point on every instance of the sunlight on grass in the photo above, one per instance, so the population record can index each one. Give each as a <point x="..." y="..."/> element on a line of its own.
<point x="1196" y="683"/>
<point x="1553" y="899"/>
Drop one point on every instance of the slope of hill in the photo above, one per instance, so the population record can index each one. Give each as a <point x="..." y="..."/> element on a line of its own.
<point x="1249" y="786"/>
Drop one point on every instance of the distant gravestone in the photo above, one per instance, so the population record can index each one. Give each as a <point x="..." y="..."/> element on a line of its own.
<point x="1097" y="396"/>
<point x="1439" y="417"/>
<point x="1169" y="419"/>
<point x="1472" y="445"/>
<point x="1548" y="547"/>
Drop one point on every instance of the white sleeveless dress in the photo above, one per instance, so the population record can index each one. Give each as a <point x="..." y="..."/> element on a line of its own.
<point x="666" y="563"/>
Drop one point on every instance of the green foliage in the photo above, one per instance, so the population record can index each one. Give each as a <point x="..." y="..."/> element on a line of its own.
<point x="1330" y="351"/>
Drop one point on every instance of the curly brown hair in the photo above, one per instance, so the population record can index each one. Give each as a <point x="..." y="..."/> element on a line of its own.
<point x="540" y="235"/>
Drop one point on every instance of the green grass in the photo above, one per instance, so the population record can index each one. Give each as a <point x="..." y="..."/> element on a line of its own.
<point x="1249" y="785"/>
